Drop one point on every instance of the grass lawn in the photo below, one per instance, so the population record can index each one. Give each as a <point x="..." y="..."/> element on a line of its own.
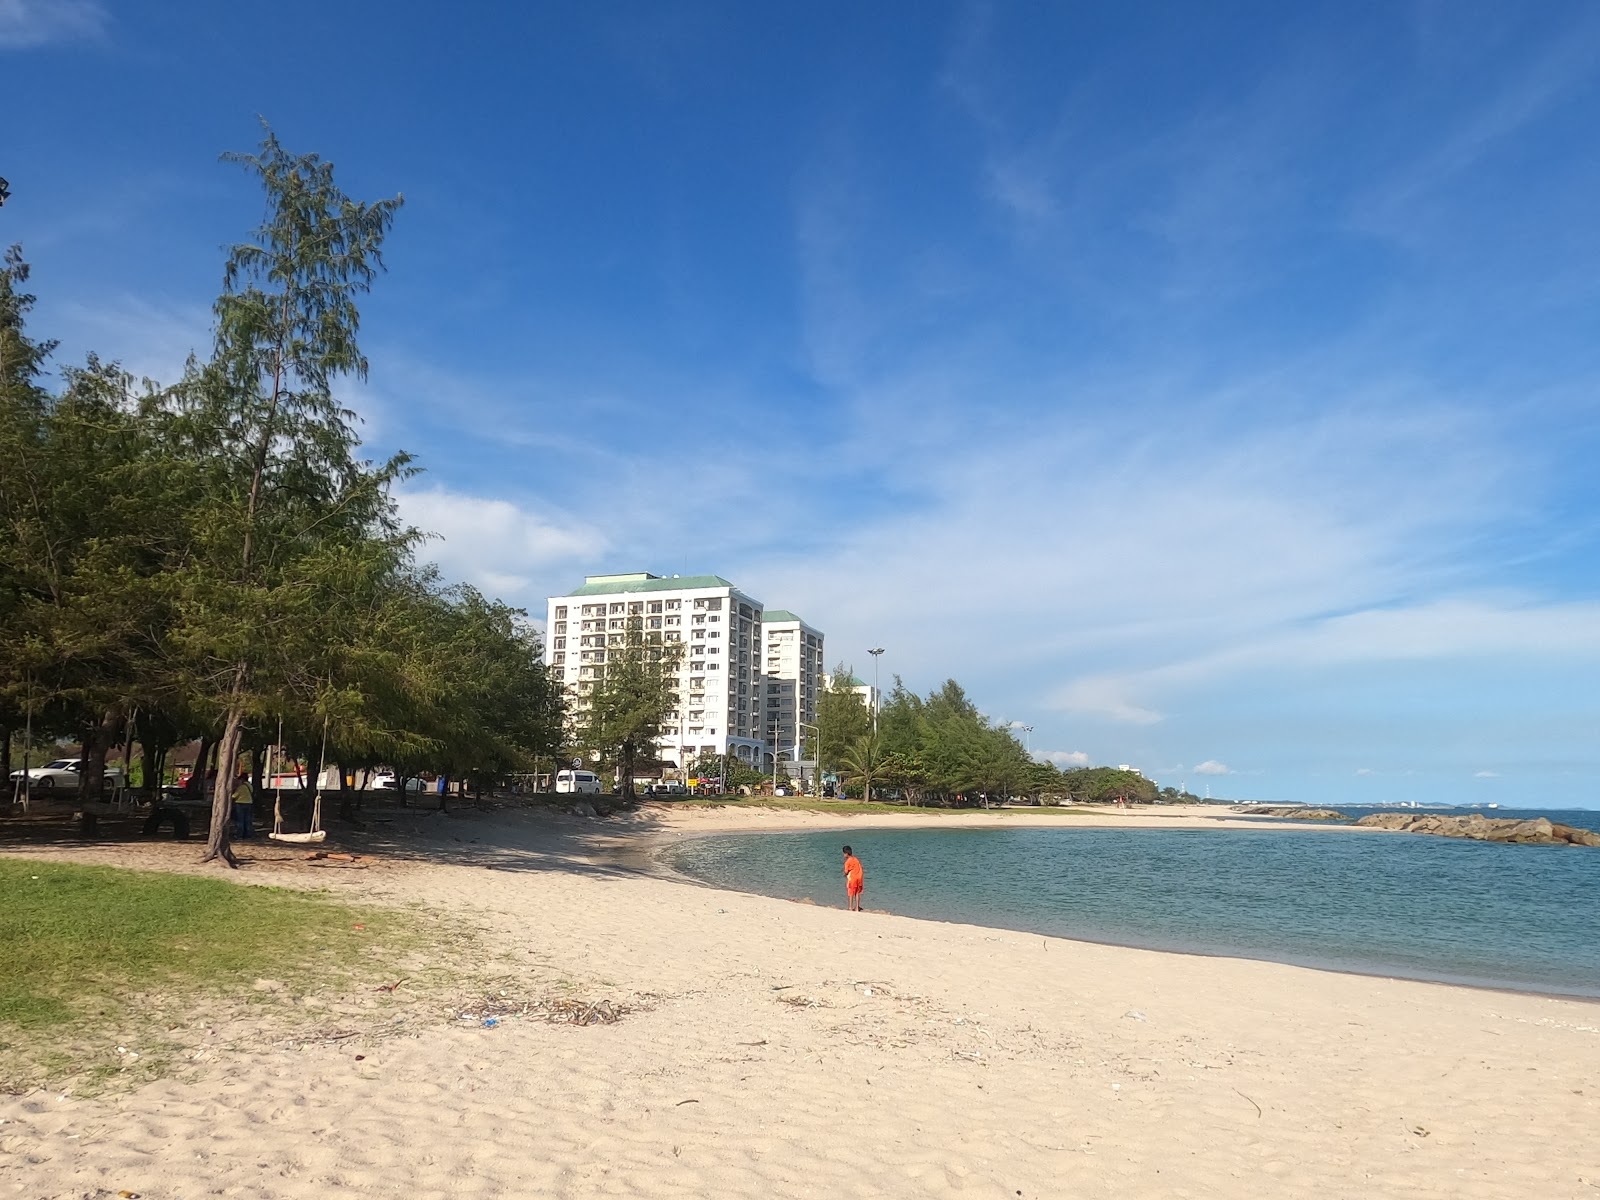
<point x="89" y="954"/>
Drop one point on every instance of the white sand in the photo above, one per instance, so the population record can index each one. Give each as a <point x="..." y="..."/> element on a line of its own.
<point x="928" y="1060"/>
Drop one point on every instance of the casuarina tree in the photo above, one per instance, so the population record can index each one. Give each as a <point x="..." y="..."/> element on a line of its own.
<point x="278" y="450"/>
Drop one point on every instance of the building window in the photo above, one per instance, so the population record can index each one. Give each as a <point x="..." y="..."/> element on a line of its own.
<point x="561" y="612"/>
<point x="674" y="605"/>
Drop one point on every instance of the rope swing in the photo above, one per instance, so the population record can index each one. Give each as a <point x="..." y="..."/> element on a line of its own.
<point x="316" y="833"/>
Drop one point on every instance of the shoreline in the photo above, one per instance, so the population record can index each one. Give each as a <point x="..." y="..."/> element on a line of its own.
<point x="771" y="1050"/>
<point x="651" y="858"/>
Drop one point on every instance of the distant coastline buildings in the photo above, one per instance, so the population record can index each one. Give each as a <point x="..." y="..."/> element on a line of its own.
<point x="748" y="679"/>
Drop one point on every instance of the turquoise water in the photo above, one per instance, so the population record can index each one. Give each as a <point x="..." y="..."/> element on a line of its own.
<point x="1522" y="917"/>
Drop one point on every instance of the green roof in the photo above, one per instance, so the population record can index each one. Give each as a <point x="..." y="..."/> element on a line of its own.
<point x="780" y="614"/>
<point x="607" y="585"/>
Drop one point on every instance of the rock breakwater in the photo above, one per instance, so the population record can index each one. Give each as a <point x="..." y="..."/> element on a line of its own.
<point x="1540" y="831"/>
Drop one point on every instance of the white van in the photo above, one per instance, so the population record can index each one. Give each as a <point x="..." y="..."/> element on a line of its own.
<point x="577" y="781"/>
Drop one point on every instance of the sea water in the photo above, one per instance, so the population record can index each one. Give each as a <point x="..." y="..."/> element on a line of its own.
<point x="1412" y="906"/>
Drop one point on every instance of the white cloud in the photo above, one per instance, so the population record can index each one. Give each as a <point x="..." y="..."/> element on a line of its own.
<point x="1063" y="758"/>
<point x="496" y="545"/>
<point x="1486" y="775"/>
<point x="151" y="339"/>
<point x="1103" y="697"/>
<point x="28" y="23"/>
<point x="1447" y="630"/>
<point x="1212" y="767"/>
<point x="1365" y="771"/>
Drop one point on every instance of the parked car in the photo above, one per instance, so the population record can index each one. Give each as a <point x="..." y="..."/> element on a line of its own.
<point x="390" y="783"/>
<point x="669" y="788"/>
<point x="62" y="773"/>
<point x="577" y="781"/>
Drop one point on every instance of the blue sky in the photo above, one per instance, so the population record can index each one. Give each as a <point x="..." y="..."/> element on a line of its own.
<point x="1210" y="387"/>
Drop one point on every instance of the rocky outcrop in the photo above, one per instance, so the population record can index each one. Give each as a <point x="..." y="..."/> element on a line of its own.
<point x="1298" y="812"/>
<point x="1538" y="832"/>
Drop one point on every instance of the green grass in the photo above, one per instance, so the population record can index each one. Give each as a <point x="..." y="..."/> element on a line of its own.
<point x="843" y="807"/>
<point x="88" y="953"/>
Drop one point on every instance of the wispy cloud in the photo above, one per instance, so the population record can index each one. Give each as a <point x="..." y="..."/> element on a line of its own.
<point x="25" y="24"/>
<point x="500" y="547"/>
<point x="1445" y="631"/>
<point x="1064" y="758"/>
<point x="1563" y="63"/>
<point x="1212" y="767"/>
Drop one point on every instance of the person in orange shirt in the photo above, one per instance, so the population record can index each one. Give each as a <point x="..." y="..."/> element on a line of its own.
<point x="854" y="880"/>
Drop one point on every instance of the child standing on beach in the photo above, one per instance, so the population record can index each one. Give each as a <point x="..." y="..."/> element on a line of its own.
<point x="854" y="880"/>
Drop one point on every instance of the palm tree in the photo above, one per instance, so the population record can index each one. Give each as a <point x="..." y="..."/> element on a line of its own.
<point x="863" y="760"/>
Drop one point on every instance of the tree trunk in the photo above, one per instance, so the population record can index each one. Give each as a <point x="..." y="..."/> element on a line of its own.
<point x="5" y="759"/>
<point x="347" y="808"/>
<point x="97" y="742"/>
<point x="625" y="772"/>
<point x="196" y="784"/>
<point x="258" y="769"/>
<point x="218" y="845"/>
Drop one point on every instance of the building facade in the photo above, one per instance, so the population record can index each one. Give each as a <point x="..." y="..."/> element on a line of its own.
<point x="718" y="707"/>
<point x="792" y="673"/>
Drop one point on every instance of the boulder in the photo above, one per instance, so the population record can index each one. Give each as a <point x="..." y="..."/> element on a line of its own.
<point x="1539" y="831"/>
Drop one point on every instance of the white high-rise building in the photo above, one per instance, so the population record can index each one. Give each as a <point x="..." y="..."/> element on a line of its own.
<point x="718" y="707"/>
<point x="792" y="671"/>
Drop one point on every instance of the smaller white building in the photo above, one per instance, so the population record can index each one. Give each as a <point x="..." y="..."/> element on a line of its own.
<point x="868" y="693"/>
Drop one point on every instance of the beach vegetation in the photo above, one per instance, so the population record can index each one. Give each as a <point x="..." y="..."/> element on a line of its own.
<point x="864" y="764"/>
<point x="217" y="560"/>
<point x="97" y="963"/>
<point x="843" y="719"/>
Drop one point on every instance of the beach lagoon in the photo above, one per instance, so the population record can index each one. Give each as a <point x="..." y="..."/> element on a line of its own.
<point x="1516" y="917"/>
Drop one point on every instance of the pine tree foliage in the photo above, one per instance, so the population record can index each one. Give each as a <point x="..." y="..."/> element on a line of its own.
<point x="218" y="560"/>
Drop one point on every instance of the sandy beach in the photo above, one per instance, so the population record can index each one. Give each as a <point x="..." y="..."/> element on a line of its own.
<point x="784" y="1049"/>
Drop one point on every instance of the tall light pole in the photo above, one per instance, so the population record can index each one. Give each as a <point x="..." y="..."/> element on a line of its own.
<point x="877" y="653"/>
<point x="816" y="750"/>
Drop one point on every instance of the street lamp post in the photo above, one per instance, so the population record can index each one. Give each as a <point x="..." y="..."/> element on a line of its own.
<point x="877" y="653"/>
<point x="772" y="728"/>
<point x="817" y="750"/>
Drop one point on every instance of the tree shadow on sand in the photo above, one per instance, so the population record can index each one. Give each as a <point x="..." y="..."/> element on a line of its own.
<point x="508" y="839"/>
